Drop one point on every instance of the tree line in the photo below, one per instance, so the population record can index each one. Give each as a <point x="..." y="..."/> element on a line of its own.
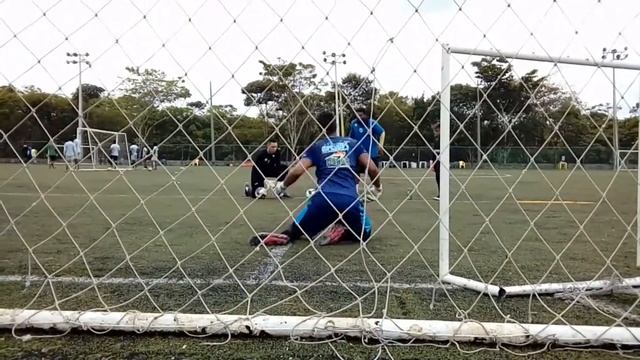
<point x="150" y="106"/>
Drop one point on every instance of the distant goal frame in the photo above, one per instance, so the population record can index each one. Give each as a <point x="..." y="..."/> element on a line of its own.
<point x="444" y="269"/>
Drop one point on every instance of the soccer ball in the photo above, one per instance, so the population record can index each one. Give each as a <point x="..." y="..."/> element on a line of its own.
<point x="309" y="193"/>
<point x="261" y="193"/>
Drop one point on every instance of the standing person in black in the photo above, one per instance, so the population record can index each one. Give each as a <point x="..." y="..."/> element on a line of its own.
<point x="436" y="156"/>
<point x="26" y="152"/>
<point x="266" y="163"/>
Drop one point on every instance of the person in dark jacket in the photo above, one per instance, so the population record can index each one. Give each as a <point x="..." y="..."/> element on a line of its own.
<point x="266" y="164"/>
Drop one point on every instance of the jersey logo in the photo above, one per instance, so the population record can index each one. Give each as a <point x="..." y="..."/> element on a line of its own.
<point x="337" y="159"/>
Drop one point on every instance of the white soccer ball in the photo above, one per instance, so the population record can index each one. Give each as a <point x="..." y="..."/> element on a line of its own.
<point x="261" y="193"/>
<point x="269" y="184"/>
<point x="309" y="193"/>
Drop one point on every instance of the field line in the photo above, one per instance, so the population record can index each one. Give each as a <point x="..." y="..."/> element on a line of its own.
<point x="213" y="282"/>
<point x="555" y="202"/>
<point x="453" y="175"/>
<point x="269" y="264"/>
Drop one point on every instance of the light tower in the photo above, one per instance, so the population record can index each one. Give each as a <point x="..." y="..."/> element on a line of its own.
<point x="80" y="59"/>
<point x="334" y="59"/>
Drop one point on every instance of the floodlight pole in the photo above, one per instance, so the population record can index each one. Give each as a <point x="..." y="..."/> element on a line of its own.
<point x="213" y="147"/>
<point x="616" y="55"/>
<point x="79" y="58"/>
<point x="478" y="122"/>
<point x="334" y="59"/>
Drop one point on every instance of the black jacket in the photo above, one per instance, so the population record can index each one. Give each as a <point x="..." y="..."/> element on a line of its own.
<point x="268" y="164"/>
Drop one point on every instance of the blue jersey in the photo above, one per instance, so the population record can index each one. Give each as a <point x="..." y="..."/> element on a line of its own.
<point x="365" y="133"/>
<point x="336" y="162"/>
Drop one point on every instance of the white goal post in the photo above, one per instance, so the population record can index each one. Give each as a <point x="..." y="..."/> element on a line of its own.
<point x="628" y="160"/>
<point x="486" y="247"/>
<point x="491" y="289"/>
<point x="95" y="150"/>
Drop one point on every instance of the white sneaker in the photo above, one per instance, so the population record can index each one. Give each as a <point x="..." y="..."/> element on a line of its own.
<point x="437" y="198"/>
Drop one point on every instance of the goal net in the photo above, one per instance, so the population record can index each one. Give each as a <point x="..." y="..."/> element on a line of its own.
<point x="628" y="159"/>
<point x="478" y="241"/>
<point x="102" y="150"/>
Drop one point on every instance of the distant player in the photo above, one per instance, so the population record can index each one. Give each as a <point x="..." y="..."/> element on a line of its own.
<point x="34" y="155"/>
<point x="26" y="152"/>
<point x="369" y="134"/>
<point x="76" y="161"/>
<point x="436" y="156"/>
<point x="146" y="156"/>
<point x="336" y="202"/>
<point x="133" y="154"/>
<point x="266" y="163"/>
<point x="114" y="153"/>
<point x="154" y="156"/>
<point x="51" y="154"/>
<point x="70" y="155"/>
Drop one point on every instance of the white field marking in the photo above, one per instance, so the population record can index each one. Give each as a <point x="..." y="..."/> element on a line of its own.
<point x="556" y="202"/>
<point x="455" y="176"/>
<point x="269" y="265"/>
<point x="26" y="194"/>
<point x="125" y="195"/>
<point x="214" y="282"/>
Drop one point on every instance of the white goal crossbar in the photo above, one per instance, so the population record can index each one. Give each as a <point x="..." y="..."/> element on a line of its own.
<point x="444" y="204"/>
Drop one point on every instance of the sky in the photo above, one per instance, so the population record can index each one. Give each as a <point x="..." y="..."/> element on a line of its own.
<point x="223" y="41"/>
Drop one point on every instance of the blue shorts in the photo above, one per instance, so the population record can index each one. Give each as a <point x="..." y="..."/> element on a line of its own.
<point x="320" y="212"/>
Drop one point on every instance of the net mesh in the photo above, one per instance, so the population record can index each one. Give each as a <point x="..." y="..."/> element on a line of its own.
<point x="202" y="87"/>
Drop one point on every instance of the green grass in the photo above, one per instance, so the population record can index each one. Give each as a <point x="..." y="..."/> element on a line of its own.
<point x="194" y="224"/>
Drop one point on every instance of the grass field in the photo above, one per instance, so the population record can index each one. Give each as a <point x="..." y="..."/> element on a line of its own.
<point x="177" y="241"/>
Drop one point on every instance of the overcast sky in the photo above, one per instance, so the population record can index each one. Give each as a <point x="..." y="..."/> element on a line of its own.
<point x="222" y="41"/>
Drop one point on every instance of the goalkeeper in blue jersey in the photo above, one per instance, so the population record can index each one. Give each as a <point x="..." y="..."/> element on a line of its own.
<point x="336" y="203"/>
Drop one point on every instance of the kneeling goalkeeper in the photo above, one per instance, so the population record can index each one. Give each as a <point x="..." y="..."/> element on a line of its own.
<point x="266" y="163"/>
<point x="336" y="203"/>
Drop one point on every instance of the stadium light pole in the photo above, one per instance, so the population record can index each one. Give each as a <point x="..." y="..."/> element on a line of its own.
<point x="478" y="122"/>
<point x="80" y="59"/>
<point x="213" y="147"/>
<point x="334" y="59"/>
<point x="616" y="55"/>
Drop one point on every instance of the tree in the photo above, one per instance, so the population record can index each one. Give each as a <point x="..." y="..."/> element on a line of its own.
<point x="510" y="102"/>
<point x="356" y="91"/>
<point x="287" y="97"/>
<point x="33" y="116"/>
<point x="89" y="92"/>
<point x="146" y="93"/>
<point x="394" y="113"/>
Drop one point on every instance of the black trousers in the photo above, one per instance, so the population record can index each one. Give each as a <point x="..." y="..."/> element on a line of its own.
<point x="436" y="169"/>
<point x="258" y="178"/>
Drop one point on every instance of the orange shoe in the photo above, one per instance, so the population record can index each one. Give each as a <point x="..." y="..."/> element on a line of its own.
<point x="269" y="239"/>
<point x="333" y="236"/>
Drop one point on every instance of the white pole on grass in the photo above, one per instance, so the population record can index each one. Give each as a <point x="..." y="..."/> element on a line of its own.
<point x="445" y="120"/>
<point x="321" y="327"/>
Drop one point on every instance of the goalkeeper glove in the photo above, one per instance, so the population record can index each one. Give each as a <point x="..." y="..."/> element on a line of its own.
<point x="280" y="188"/>
<point x="374" y="193"/>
